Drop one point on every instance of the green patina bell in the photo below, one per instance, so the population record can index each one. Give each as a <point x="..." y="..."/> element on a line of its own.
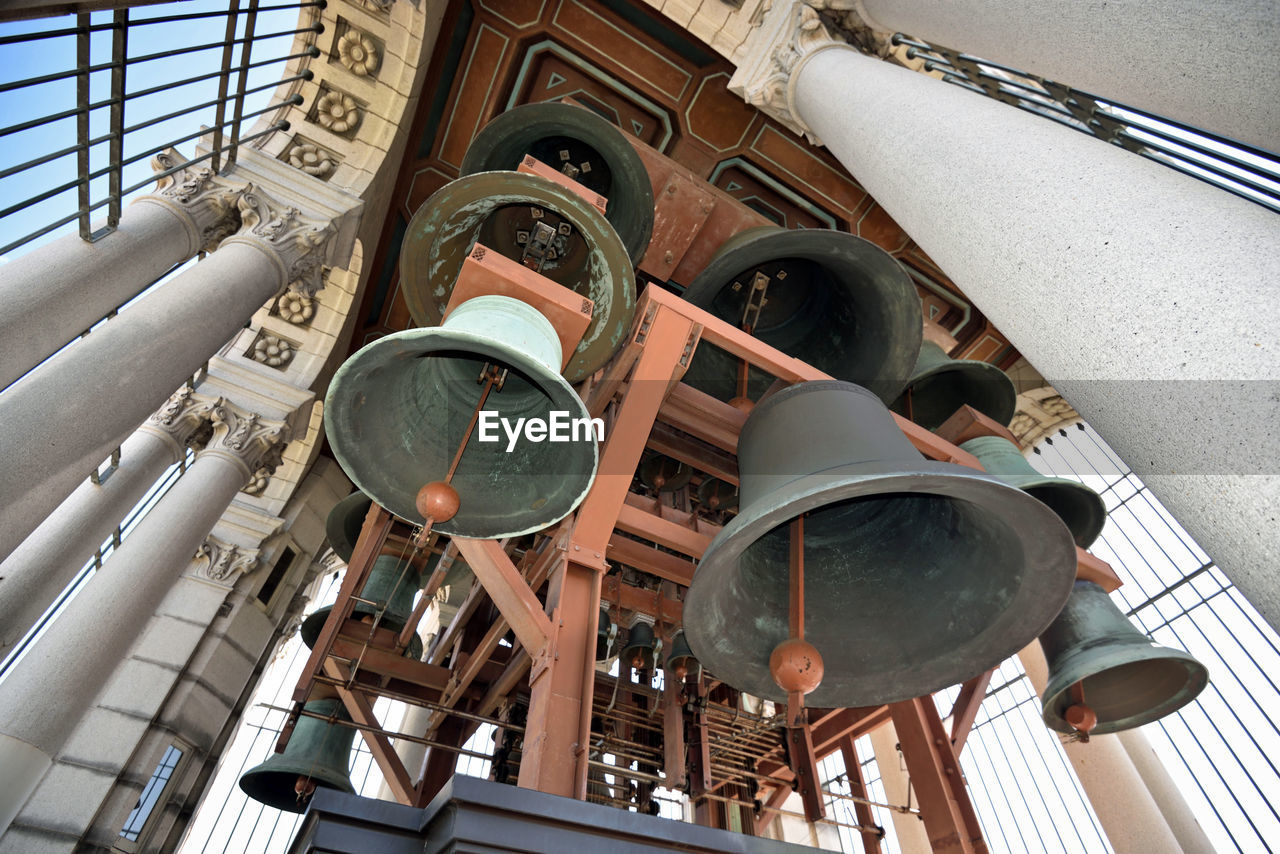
<point x="1127" y="679"/>
<point x="584" y="146"/>
<point x="833" y="300"/>
<point x="918" y="574"/>
<point x="393" y="587"/>
<point x="318" y="754"/>
<point x="1077" y="505"/>
<point x="398" y="409"/>
<point x="681" y="661"/>
<point x="641" y="647"/>
<point x="940" y="385"/>
<point x="501" y="210"/>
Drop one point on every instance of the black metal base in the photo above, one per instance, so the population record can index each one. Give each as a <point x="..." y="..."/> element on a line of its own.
<point x="473" y="816"/>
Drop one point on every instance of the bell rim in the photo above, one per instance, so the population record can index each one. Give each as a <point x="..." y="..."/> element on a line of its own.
<point x="260" y="791"/>
<point x="339" y="519"/>
<point x="818" y="244"/>
<point x="1004" y="410"/>
<point x="1057" y="696"/>
<point x="421" y="264"/>
<point x="443" y="339"/>
<point x="526" y="121"/>
<point x="1038" y="529"/>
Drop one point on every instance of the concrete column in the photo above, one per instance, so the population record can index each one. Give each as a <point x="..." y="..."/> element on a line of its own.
<point x="33" y="576"/>
<point x="1129" y="815"/>
<point x="907" y="829"/>
<point x="49" y="690"/>
<point x="1134" y="289"/>
<point x="54" y="293"/>
<point x="1208" y="65"/>
<point x="1182" y="821"/>
<point x="100" y="389"/>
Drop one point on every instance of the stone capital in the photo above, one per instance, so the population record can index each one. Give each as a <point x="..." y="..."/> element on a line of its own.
<point x="298" y="243"/>
<point x="184" y="419"/>
<point x="221" y="562"/>
<point x="204" y="200"/>
<point x="788" y="31"/>
<point x="254" y="443"/>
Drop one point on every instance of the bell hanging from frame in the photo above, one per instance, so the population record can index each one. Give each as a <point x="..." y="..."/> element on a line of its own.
<point x="940" y="385"/>
<point x="318" y="755"/>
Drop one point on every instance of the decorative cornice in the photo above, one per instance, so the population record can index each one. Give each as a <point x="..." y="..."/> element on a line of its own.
<point x="206" y="200"/>
<point x="222" y="562"/>
<point x="297" y="242"/>
<point x="256" y="444"/>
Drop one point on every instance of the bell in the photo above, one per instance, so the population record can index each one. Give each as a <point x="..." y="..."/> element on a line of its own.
<point x="397" y="411"/>
<point x="641" y="645"/>
<point x="664" y="474"/>
<point x="681" y="660"/>
<point x="584" y="146"/>
<point x="504" y="211"/>
<point x="919" y="574"/>
<point x="830" y="299"/>
<point x="318" y="754"/>
<point x="1128" y="680"/>
<point x="344" y="523"/>
<point x="940" y="385"/>
<point x="716" y="494"/>
<point x="1077" y="505"/>
<point x="605" y="632"/>
<point x="392" y="586"/>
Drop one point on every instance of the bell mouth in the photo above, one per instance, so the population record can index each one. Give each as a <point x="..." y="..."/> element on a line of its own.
<point x="1077" y="505"/>
<point x="942" y="572"/>
<point x="1127" y="686"/>
<point x="838" y="302"/>
<point x="423" y="385"/>
<point x="583" y="145"/>
<point x="442" y="232"/>
<point x="938" y="392"/>
<point x="344" y="523"/>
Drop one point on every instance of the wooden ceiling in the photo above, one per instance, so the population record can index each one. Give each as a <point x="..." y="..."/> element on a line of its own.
<point x="657" y="82"/>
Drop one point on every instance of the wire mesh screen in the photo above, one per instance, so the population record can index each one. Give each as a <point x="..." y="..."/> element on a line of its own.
<point x="1221" y="749"/>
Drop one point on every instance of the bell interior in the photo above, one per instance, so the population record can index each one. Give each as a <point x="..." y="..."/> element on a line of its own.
<point x="501" y="231"/>
<point x="1079" y="508"/>
<point x="936" y="397"/>
<point x="552" y="150"/>
<point x="1137" y="689"/>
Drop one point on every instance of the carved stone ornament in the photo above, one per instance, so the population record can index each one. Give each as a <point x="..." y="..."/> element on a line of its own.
<point x="311" y="159"/>
<point x="358" y="53"/>
<point x="255" y="443"/>
<point x="378" y="5"/>
<point x="258" y="482"/>
<point x="338" y="112"/>
<point x="184" y="416"/>
<point x="296" y="308"/>
<point x="272" y="351"/>
<point x="201" y="194"/>
<point x="221" y="562"/>
<point x="788" y="31"/>
<point x="299" y="242"/>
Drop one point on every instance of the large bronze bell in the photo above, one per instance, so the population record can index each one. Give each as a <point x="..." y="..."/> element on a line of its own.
<point x="398" y="409"/>
<point x="641" y="647"/>
<point x="318" y="754"/>
<point x="919" y="574"/>
<point x="1077" y="505"/>
<point x="584" y="146"/>
<point x="502" y="210"/>
<point x="681" y="660"/>
<point x="1127" y="679"/>
<point x="940" y="385"/>
<point x="831" y="299"/>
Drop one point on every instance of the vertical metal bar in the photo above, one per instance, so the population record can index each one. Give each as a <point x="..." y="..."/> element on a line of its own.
<point x="250" y="22"/>
<point x="82" y="118"/>
<point x="119" y="51"/>
<point x="224" y="80"/>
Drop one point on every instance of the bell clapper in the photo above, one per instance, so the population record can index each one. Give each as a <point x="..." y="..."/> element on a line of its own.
<point x="795" y="664"/>
<point x="438" y="501"/>
<point x="750" y="316"/>
<point x="1079" y="715"/>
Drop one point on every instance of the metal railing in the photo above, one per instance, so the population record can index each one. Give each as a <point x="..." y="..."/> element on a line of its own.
<point x="1247" y="172"/>
<point x="124" y="101"/>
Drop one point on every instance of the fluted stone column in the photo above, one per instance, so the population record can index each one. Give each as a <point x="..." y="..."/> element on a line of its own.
<point x="1209" y="65"/>
<point x="49" y="690"/>
<point x="1129" y="815"/>
<point x="52" y="294"/>
<point x="97" y="391"/>
<point x="1134" y="289"/>
<point x="33" y="576"/>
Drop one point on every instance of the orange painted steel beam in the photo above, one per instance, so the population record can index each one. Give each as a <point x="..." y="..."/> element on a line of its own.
<point x="949" y="819"/>
<point x="664" y="532"/>
<point x="361" y="711"/>
<point x="804" y="764"/>
<point x="665" y="565"/>
<point x="1097" y="570"/>
<point x="508" y="590"/>
<point x="704" y="417"/>
<point x="533" y="166"/>
<point x="858" y="788"/>
<point x="965" y="710"/>
<point x="693" y="452"/>
<point x="673" y="758"/>
<point x="651" y="602"/>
